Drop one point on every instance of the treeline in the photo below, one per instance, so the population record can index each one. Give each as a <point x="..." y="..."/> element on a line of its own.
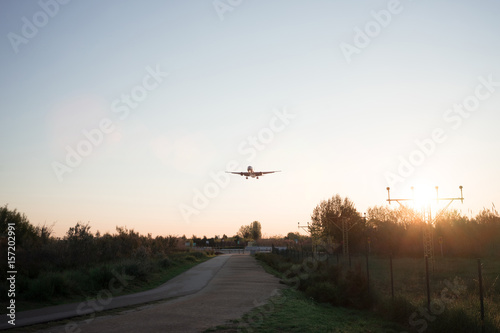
<point x="399" y="231"/>
<point x="251" y="232"/>
<point x="226" y="242"/>
<point x="37" y="250"/>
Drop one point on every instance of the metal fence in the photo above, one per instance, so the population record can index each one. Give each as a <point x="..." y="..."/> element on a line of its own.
<point x="472" y="284"/>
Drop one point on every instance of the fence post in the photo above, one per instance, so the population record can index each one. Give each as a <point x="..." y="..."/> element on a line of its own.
<point x="392" y="279"/>
<point x="481" y="298"/>
<point x="427" y="282"/>
<point x="367" y="269"/>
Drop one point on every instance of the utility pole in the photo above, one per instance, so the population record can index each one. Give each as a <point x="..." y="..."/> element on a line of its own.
<point x="427" y="218"/>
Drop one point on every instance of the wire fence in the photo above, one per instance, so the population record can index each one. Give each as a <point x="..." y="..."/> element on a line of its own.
<point x="438" y="283"/>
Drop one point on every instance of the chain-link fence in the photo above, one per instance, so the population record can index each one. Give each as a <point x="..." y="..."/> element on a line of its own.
<point x="467" y="286"/>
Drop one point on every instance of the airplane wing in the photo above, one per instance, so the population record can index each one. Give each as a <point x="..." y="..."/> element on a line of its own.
<point x="240" y="173"/>
<point x="265" y="172"/>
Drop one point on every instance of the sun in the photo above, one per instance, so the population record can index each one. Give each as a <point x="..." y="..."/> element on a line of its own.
<point x="424" y="196"/>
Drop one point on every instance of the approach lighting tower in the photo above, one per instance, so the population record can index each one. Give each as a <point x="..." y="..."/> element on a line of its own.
<point x="307" y="228"/>
<point x="427" y="217"/>
<point x="304" y="227"/>
<point x="345" y="227"/>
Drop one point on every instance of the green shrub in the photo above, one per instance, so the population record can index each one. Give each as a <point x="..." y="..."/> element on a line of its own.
<point x="136" y="269"/>
<point x="398" y="310"/>
<point x="190" y="258"/>
<point x="198" y="255"/>
<point x="272" y="259"/>
<point x="283" y="266"/>
<point x="324" y="292"/>
<point x="355" y="290"/>
<point x="77" y="282"/>
<point x="333" y="274"/>
<point x="455" y="320"/>
<point x="100" y="277"/>
<point x="39" y="290"/>
<point x="141" y="253"/>
<point x="47" y="286"/>
<point x="165" y="262"/>
<point x="22" y="285"/>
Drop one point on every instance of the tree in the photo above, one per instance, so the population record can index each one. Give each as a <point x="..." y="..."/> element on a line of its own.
<point x="81" y="246"/>
<point x="26" y="233"/>
<point x="332" y="219"/>
<point x="251" y="231"/>
<point x="256" y="230"/>
<point x="293" y="236"/>
<point x="244" y="232"/>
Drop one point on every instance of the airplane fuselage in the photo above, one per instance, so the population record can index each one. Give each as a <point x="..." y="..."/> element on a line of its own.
<point x="251" y="173"/>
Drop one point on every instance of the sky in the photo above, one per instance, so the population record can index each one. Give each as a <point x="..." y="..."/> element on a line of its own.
<point x="129" y="113"/>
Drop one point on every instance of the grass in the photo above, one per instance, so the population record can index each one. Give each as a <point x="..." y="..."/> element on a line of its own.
<point x="55" y="288"/>
<point x="458" y="274"/>
<point x="292" y="311"/>
<point x="454" y="293"/>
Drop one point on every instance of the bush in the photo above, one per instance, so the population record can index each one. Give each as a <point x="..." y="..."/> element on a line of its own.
<point x="272" y="259"/>
<point x="47" y="286"/>
<point x="324" y="292"/>
<point x="198" y="255"/>
<point x="455" y="320"/>
<point x="397" y="310"/>
<point x="141" y="253"/>
<point x="333" y="274"/>
<point x="100" y="277"/>
<point x="77" y="282"/>
<point x="355" y="290"/>
<point x="165" y="262"/>
<point x="190" y="258"/>
<point x="39" y="290"/>
<point x="323" y="282"/>
<point x="284" y="266"/>
<point x="136" y="269"/>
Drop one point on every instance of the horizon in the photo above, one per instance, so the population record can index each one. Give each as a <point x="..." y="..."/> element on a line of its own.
<point x="130" y="115"/>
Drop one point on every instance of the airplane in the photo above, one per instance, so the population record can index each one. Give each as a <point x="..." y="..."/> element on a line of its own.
<point x="251" y="173"/>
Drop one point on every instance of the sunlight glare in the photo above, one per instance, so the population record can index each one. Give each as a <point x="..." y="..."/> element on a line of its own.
<point x="424" y="196"/>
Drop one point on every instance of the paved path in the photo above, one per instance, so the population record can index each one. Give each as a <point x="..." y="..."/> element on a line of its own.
<point x="209" y="294"/>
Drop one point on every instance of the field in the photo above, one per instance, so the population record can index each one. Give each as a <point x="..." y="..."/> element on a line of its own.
<point x="454" y="290"/>
<point x="454" y="286"/>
